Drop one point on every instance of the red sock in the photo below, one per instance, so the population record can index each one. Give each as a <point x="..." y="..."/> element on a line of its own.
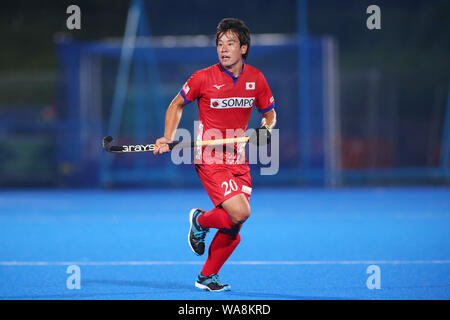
<point x="215" y="218"/>
<point x="220" y="249"/>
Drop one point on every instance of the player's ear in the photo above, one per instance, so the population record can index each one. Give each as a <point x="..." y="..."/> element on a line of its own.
<point x="244" y="49"/>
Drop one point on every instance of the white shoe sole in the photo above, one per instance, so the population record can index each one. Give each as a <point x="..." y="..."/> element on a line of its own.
<point x="203" y="287"/>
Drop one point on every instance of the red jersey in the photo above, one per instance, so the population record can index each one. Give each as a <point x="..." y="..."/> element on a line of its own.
<point x="225" y="103"/>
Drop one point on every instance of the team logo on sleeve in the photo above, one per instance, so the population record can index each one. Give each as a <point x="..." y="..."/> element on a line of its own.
<point x="227" y="103"/>
<point x="186" y="88"/>
<point x="272" y="100"/>
<point x="250" y="86"/>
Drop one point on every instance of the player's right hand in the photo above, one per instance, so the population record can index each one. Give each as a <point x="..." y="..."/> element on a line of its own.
<point x="163" y="146"/>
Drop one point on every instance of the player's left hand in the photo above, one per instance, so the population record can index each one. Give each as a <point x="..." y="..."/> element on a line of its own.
<point x="261" y="136"/>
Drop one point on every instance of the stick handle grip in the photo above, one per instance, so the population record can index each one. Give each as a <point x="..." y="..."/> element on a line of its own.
<point x="179" y="144"/>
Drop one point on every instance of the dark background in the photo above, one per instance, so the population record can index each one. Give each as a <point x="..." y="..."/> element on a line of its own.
<point x="408" y="59"/>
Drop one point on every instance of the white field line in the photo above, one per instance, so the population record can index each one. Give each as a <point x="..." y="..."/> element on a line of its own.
<point x="160" y="263"/>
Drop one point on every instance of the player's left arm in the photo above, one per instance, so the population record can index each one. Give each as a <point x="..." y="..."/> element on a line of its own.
<point x="266" y="106"/>
<point x="269" y="119"/>
<point x="262" y="135"/>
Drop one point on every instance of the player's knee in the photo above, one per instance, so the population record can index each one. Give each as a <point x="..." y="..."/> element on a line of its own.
<point x="241" y="215"/>
<point x="245" y="215"/>
<point x="238" y="209"/>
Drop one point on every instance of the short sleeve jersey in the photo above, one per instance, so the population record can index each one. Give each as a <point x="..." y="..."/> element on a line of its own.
<point x="225" y="102"/>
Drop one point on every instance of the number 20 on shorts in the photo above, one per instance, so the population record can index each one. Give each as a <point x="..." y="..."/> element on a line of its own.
<point x="230" y="185"/>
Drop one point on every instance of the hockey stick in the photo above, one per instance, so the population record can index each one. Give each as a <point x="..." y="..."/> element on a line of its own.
<point x="106" y="144"/>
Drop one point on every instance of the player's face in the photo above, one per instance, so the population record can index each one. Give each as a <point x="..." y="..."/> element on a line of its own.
<point x="229" y="49"/>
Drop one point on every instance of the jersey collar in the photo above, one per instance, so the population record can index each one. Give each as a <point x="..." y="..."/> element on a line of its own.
<point x="230" y="74"/>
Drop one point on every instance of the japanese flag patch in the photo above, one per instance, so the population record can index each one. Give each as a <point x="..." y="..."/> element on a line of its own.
<point x="250" y="86"/>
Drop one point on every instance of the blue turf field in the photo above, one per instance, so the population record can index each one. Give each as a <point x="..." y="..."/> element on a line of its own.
<point x="298" y="244"/>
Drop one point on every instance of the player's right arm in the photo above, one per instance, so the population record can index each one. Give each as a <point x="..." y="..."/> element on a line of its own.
<point x="190" y="91"/>
<point x="173" y="117"/>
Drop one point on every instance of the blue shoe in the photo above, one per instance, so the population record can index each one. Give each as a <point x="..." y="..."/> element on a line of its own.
<point x="197" y="234"/>
<point x="211" y="283"/>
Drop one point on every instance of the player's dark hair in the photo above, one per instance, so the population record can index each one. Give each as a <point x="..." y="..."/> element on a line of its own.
<point x="238" y="27"/>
